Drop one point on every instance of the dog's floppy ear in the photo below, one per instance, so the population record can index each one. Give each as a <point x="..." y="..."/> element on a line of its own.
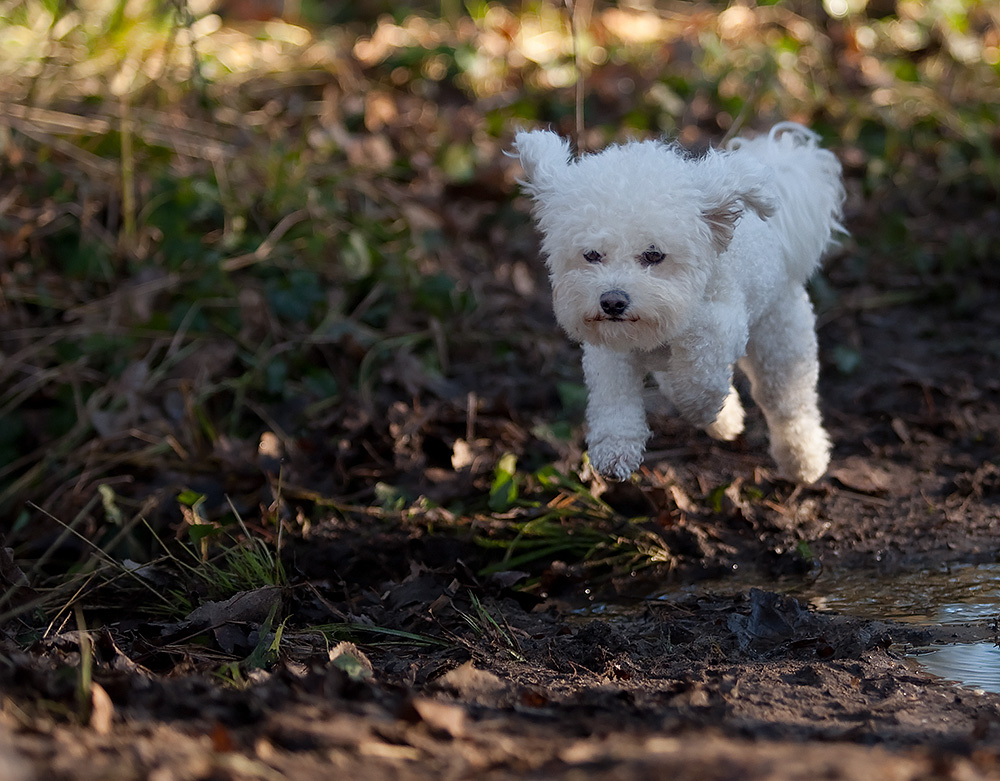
<point x="542" y="154"/>
<point x="734" y="188"/>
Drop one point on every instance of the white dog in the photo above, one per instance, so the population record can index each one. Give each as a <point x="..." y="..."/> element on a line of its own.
<point x="685" y="267"/>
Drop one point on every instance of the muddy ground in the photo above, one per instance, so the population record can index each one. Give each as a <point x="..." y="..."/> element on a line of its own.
<point x="553" y="683"/>
<point x="436" y="670"/>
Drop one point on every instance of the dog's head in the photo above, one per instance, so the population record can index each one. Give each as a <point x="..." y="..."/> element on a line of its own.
<point x="632" y="235"/>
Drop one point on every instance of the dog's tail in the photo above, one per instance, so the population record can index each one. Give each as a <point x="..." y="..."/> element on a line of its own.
<point x="811" y="190"/>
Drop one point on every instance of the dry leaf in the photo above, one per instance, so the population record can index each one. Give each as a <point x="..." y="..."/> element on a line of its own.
<point x="859" y="475"/>
<point x="346" y="656"/>
<point x="102" y="710"/>
<point x="441" y="716"/>
<point x="253" y="606"/>
<point x="474" y="684"/>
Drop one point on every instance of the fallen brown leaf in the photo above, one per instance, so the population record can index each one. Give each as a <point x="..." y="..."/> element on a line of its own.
<point x="441" y="716"/>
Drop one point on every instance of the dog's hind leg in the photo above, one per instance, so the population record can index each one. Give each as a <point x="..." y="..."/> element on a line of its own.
<point x="783" y="368"/>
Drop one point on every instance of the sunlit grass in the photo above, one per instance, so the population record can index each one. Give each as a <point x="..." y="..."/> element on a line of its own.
<point x="548" y="515"/>
<point x="112" y="48"/>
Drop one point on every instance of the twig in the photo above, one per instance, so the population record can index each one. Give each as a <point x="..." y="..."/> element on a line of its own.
<point x="185" y="17"/>
<point x="578" y="64"/>
<point x="67" y="530"/>
<point x="127" y="172"/>
<point x="51" y="121"/>
<point x="96" y="165"/>
<point x="265" y="248"/>
<point x="749" y="103"/>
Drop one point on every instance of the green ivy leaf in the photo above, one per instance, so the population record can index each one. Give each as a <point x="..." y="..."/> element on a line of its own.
<point x="504" y="490"/>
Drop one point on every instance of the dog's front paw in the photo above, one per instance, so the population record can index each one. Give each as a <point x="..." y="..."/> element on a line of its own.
<point x="700" y="406"/>
<point x="728" y="424"/>
<point x="616" y="459"/>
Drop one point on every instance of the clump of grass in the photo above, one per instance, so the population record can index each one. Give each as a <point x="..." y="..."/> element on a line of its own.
<point x="495" y="633"/>
<point x="558" y="517"/>
<point x="218" y="564"/>
<point x="209" y="270"/>
<point x="369" y="634"/>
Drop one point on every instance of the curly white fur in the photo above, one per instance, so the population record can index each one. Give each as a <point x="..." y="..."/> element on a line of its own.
<point x="685" y="268"/>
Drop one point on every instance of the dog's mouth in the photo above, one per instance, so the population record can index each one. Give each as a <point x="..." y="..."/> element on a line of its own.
<point x="611" y="319"/>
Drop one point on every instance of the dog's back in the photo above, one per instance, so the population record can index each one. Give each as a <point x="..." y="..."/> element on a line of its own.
<point x="808" y="181"/>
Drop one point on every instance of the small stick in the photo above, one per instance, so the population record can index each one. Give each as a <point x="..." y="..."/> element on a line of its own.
<point x="578" y="64"/>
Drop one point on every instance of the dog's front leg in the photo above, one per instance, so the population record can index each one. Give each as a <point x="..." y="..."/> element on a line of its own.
<point x="616" y="417"/>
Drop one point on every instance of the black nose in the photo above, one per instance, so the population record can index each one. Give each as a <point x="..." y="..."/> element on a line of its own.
<point x="614" y="302"/>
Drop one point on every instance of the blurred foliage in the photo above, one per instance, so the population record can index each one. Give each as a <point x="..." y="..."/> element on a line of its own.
<point x="223" y="221"/>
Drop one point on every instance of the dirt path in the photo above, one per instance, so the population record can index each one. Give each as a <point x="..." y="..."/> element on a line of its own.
<point x="753" y="686"/>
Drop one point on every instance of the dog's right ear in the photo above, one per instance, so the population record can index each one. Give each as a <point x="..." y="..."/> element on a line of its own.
<point x="731" y="186"/>
<point x="543" y="155"/>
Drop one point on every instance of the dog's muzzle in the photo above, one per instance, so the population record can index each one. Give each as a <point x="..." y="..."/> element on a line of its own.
<point x="614" y="303"/>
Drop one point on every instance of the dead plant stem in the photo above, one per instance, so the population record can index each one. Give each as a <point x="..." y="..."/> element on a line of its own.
<point x="127" y="171"/>
<point x="577" y="19"/>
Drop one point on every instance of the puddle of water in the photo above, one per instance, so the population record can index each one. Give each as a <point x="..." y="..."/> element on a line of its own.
<point x="955" y="595"/>
<point x="963" y="595"/>
<point x="976" y="665"/>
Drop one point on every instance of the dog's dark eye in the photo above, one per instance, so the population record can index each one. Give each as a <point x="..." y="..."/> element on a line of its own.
<point x="593" y="256"/>
<point x="651" y="257"/>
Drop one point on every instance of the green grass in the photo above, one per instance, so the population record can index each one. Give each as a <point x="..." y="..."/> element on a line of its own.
<point x="370" y="635"/>
<point x="490" y="630"/>
<point x="547" y="515"/>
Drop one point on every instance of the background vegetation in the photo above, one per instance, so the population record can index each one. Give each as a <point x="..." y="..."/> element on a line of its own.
<point x="263" y="267"/>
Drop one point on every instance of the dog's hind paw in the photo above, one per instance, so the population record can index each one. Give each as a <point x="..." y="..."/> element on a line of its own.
<point x="802" y="450"/>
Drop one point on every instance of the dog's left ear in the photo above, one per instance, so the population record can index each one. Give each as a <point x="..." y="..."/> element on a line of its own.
<point x="543" y="154"/>
<point x="736" y="189"/>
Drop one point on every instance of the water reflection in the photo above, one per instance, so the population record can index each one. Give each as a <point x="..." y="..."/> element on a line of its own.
<point x="965" y="595"/>
<point x="970" y="664"/>
<point x="956" y="595"/>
